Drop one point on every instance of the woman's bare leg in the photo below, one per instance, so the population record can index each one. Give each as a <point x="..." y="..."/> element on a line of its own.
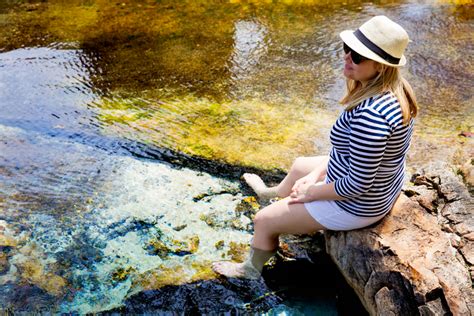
<point x="281" y="218"/>
<point x="269" y="223"/>
<point x="300" y="168"/>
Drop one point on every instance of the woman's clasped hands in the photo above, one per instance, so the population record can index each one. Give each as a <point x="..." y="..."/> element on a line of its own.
<point x="301" y="191"/>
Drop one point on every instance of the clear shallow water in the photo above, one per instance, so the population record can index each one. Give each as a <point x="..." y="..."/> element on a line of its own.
<point x="84" y="89"/>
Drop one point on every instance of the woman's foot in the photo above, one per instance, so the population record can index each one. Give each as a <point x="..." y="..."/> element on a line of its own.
<point x="230" y="269"/>
<point x="259" y="187"/>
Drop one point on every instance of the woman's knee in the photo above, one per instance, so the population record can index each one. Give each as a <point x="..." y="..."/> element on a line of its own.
<point x="298" y="167"/>
<point x="259" y="220"/>
<point x="263" y="220"/>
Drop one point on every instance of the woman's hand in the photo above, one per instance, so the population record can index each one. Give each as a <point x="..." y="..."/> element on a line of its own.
<point x="302" y="193"/>
<point x="306" y="180"/>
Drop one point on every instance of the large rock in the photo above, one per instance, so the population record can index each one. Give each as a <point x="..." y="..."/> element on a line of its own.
<point x="418" y="259"/>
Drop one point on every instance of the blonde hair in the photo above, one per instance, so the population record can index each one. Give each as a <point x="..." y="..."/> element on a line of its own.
<point x="388" y="79"/>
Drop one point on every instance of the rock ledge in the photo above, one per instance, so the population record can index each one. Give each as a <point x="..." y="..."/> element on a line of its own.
<point x="418" y="259"/>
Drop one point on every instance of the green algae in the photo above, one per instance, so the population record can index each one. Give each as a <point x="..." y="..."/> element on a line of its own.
<point x="219" y="244"/>
<point x="237" y="251"/>
<point x="164" y="248"/>
<point x="248" y="206"/>
<point x="247" y="132"/>
<point x="121" y="274"/>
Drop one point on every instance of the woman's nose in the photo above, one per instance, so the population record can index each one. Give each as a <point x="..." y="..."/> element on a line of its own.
<point x="347" y="57"/>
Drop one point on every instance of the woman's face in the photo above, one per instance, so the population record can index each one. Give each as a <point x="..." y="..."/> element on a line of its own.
<point x="364" y="71"/>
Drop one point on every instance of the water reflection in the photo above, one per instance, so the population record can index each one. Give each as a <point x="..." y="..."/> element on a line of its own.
<point x="46" y="89"/>
<point x="249" y="47"/>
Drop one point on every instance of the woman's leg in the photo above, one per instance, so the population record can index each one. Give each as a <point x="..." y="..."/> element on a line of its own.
<point x="281" y="218"/>
<point x="300" y="168"/>
<point x="272" y="221"/>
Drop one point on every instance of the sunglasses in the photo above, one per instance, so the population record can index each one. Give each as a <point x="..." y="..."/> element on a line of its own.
<point x="356" y="58"/>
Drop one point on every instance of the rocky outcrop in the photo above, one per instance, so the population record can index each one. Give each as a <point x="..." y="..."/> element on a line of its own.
<point x="418" y="259"/>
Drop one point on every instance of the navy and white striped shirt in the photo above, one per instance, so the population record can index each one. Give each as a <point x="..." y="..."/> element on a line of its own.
<point x="367" y="160"/>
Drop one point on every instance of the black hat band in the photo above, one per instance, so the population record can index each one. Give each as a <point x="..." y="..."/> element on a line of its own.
<point x="370" y="45"/>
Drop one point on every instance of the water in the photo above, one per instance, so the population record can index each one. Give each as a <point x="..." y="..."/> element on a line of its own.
<point x="105" y="107"/>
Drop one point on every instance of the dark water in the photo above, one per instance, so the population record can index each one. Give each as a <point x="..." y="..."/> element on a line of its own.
<point x="88" y="86"/>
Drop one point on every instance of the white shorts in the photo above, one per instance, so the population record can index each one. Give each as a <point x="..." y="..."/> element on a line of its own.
<point x="331" y="216"/>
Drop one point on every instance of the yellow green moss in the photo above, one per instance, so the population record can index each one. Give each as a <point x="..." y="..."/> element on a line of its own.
<point x="163" y="249"/>
<point x="248" y="206"/>
<point x="248" y="132"/>
<point x="121" y="274"/>
<point x="7" y="241"/>
<point x="203" y="271"/>
<point x="238" y="251"/>
<point x="33" y="271"/>
<point x="160" y="277"/>
<point x="176" y="275"/>
<point x="194" y="244"/>
<point x="219" y="245"/>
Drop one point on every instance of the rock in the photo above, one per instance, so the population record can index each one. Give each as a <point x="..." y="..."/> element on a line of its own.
<point x="4" y="264"/>
<point x="7" y="238"/>
<point x="406" y="264"/>
<point x="469" y="236"/>
<point x="468" y="252"/>
<point x="423" y="195"/>
<point x="467" y="171"/>
<point x="34" y="272"/>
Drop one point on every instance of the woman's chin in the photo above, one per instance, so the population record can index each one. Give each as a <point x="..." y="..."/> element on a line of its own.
<point x="347" y="74"/>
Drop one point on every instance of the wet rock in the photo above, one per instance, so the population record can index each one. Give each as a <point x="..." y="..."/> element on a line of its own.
<point x="34" y="272"/>
<point x="217" y="220"/>
<point x="7" y="238"/>
<point x="305" y="247"/>
<point x="408" y="263"/>
<point x="4" y="264"/>
<point x="25" y="298"/>
<point x="180" y="227"/>
<point x="204" y="297"/>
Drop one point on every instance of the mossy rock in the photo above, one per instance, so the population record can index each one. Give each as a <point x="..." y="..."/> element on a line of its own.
<point x="248" y="206"/>
<point x="238" y="251"/>
<point x="121" y="274"/>
<point x="219" y="245"/>
<point x="159" y="248"/>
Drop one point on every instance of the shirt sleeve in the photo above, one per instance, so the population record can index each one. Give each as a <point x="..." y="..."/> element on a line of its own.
<point x="369" y="133"/>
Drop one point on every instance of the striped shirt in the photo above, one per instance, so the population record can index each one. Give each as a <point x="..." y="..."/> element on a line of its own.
<point x="367" y="160"/>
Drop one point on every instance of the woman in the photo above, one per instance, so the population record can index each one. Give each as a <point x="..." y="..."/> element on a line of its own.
<point x="358" y="183"/>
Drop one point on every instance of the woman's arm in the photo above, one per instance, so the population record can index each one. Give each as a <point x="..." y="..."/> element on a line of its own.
<point x="367" y="144"/>
<point x="319" y="173"/>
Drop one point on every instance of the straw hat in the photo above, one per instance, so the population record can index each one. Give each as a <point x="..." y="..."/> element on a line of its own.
<point x="379" y="39"/>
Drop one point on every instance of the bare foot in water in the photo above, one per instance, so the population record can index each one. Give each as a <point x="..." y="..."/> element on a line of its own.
<point x="259" y="187"/>
<point x="235" y="270"/>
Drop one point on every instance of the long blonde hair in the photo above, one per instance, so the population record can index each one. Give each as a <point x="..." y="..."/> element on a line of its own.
<point x="388" y="79"/>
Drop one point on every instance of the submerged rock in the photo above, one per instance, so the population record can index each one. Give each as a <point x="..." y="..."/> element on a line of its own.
<point x="418" y="259"/>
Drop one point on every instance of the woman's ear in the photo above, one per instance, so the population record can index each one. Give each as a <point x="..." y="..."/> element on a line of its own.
<point x="379" y="67"/>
